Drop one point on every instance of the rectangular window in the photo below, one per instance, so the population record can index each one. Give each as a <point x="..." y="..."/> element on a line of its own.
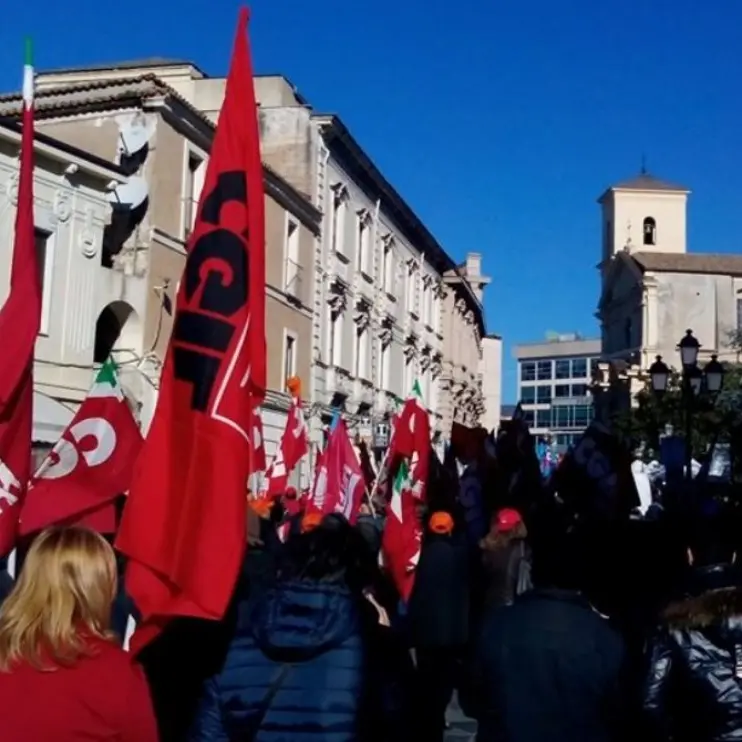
<point x="528" y="394"/>
<point x="339" y="209"/>
<point x="336" y="347"/>
<point x="542" y="418"/>
<point x="582" y="416"/>
<point x="362" y="244"/>
<point x="360" y="370"/>
<point x="409" y="375"/>
<point x="41" y="245"/>
<point x="543" y="370"/>
<point x="426" y="305"/>
<point x="194" y="181"/>
<point x="563" y="369"/>
<point x="579" y="390"/>
<point x="579" y="368"/>
<point x="528" y="417"/>
<point x="292" y="273"/>
<point x="410" y="288"/>
<point x="528" y="371"/>
<point x="562" y="390"/>
<point x="384" y="355"/>
<point x="561" y="417"/>
<point x="289" y="358"/>
<point x="543" y="394"/>
<point x="387" y="267"/>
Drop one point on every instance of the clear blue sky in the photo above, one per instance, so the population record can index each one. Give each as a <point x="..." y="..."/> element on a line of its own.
<point x="500" y="122"/>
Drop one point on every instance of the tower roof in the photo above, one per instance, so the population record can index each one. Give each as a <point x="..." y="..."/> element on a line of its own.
<point x="645" y="182"/>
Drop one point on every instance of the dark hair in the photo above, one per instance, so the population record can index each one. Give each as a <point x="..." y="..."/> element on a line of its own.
<point x="332" y="552"/>
<point x="558" y="561"/>
<point x="711" y="540"/>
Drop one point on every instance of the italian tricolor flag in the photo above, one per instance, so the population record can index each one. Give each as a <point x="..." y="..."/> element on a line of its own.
<point x="410" y="454"/>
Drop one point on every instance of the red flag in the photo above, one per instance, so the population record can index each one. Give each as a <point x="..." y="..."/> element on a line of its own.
<point x="293" y="447"/>
<point x="20" y="319"/>
<point x="258" y="447"/>
<point x="183" y="528"/>
<point x="409" y="452"/>
<point x="91" y="464"/>
<point x="339" y="486"/>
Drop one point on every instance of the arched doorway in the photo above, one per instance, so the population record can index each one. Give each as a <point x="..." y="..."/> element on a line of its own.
<point x="118" y="329"/>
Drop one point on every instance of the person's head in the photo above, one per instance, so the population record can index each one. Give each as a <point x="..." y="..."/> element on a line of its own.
<point x="61" y="600"/>
<point x="559" y="561"/>
<point x="506" y="526"/>
<point x="331" y="551"/>
<point x="711" y="540"/>
<point x="441" y="523"/>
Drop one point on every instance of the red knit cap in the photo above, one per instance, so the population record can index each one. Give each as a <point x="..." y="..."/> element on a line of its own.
<point x="507" y="519"/>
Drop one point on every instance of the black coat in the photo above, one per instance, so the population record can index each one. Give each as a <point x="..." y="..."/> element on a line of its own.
<point x="548" y="668"/>
<point x="694" y="685"/>
<point x="438" y="612"/>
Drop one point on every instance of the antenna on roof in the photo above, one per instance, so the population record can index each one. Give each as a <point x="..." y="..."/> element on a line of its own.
<point x="644" y="164"/>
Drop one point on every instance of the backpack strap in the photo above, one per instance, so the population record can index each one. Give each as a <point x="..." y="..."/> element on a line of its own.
<point x="276" y="684"/>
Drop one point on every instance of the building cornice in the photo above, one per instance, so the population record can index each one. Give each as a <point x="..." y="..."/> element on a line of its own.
<point x="58" y="151"/>
<point x="345" y="147"/>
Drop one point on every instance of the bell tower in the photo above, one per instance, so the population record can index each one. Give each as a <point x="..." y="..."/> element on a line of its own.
<point x="643" y="214"/>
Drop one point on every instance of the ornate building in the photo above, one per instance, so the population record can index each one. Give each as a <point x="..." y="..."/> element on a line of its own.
<point x="157" y="145"/>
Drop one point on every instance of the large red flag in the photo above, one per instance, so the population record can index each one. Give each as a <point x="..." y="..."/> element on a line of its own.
<point x="293" y="447"/>
<point x="20" y="319"/>
<point x="339" y="485"/>
<point x="183" y="528"/>
<point x="91" y="464"/>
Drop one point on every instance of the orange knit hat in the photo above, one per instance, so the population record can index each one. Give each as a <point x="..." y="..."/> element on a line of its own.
<point x="262" y="506"/>
<point x="441" y="522"/>
<point x="310" y="521"/>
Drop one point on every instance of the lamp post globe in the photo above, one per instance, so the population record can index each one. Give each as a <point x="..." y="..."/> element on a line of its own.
<point x="689" y="348"/>
<point x="714" y="374"/>
<point x="660" y="375"/>
<point x="695" y="379"/>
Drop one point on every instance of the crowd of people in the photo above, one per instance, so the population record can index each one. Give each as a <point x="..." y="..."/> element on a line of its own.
<point x="590" y="632"/>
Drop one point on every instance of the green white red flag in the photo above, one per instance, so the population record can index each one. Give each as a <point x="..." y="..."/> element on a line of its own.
<point x="91" y="464"/>
<point x="409" y="455"/>
<point x="20" y="319"/>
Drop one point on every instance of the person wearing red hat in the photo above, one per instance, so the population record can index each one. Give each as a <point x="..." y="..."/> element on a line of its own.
<point x="506" y="559"/>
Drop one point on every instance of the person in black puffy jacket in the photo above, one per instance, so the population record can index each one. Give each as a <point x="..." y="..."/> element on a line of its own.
<point x="307" y="658"/>
<point x="693" y="691"/>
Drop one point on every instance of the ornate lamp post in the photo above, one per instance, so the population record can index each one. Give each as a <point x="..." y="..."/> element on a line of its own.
<point x="694" y="381"/>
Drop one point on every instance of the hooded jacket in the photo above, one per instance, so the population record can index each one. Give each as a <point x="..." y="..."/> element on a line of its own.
<point x="294" y="670"/>
<point x="694" y="686"/>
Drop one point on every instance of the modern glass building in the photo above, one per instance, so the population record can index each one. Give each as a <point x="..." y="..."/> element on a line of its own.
<point x="553" y="385"/>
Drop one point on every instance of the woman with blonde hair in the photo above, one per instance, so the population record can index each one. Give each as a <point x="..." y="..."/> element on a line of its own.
<point x="62" y="676"/>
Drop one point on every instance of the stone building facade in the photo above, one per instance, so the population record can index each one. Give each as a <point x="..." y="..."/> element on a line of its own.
<point x="160" y="143"/>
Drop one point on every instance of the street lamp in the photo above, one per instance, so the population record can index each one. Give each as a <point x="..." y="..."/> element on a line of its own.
<point x="693" y="379"/>
<point x="689" y="348"/>
<point x="714" y="373"/>
<point x="660" y="375"/>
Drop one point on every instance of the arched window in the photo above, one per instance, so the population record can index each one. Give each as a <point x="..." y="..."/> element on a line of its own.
<point x="650" y="231"/>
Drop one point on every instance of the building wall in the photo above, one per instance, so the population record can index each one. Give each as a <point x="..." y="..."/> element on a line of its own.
<point x="72" y="211"/>
<point x="491" y="373"/>
<point x="155" y="252"/>
<point x="462" y="353"/>
<point x="623" y="215"/>
<point x="553" y="386"/>
<point x="408" y="312"/>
